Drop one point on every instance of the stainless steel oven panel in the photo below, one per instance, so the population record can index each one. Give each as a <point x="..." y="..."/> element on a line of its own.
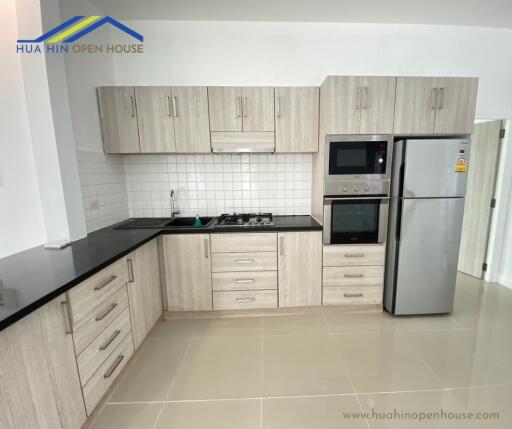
<point x="355" y="138"/>
<point x="383" y="216"/>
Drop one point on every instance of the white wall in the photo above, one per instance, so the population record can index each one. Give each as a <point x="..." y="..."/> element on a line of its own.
<point x="21" y="215"/>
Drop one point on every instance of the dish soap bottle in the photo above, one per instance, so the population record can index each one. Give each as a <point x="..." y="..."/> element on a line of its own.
<point x="197" y="222"/>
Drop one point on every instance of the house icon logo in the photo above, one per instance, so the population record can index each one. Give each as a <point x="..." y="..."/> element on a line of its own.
<point x="62" y="39"/>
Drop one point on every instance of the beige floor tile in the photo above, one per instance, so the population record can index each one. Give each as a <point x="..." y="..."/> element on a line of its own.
<point x="324" y="412"/>
<point x="229" y="327"/>
<point x="149" y="376"/>
<point x="421" y="323"/>
<point x="302" y="365"/>
<point x="286" y="325"/>
<point x="383" y="362"/>
<point x="235" y="414"/>
<point x="414" y="403"/>
<point x="461" y="358"/>
<point x="487" y="400"/>
<point x="217" y="368"/>
<point x="359" y="322"/>
<point x="127" y="416"/>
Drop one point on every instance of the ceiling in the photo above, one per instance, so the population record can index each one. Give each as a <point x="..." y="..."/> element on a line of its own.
<point x="482" y="13"/>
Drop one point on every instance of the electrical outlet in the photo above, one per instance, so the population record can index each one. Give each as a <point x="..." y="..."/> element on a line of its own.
<point x="94" y="205"/>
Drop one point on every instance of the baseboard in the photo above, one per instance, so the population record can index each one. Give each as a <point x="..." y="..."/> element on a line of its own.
<point x="505" y="281"/>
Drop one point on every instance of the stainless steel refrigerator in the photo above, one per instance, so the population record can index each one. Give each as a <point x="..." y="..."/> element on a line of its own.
<point x="425" y="222"/>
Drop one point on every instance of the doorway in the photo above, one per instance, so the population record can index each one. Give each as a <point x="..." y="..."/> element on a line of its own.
<point x="480" y="196"/>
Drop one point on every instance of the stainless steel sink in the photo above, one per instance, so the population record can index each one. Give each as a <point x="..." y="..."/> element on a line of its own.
<point x="188" y="222"/>
<point x="162" y="222"/>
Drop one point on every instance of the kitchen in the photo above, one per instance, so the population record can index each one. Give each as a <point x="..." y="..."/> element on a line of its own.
<point x="241" y="263"/>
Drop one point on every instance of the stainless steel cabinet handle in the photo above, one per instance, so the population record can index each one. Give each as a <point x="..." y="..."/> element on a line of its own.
<point x="358" y="98"/>
<point x="441" y="98"/>
<point x="434" y="97"/>
<point x="132" y="104"/>
<point x="364" y="97"/>
<point x="175" y="107"/>
<point x="109" y="341"/>
<point x="238" y="106"/>
<point x="244" y="281"/>
<point x="354" y="255"/>
<point x="281" y="246"/>
<point x="113" y="367"/>
<point x="206" y="248"/>
<point x="106" y="312"/>
<point x="278" y="106"/>
<point x="352" y="295"/>
<point x="251" y="299"/>
<point x="168" y="106"/>
<point x="130" y="271"/>
<point x="244" y="107"/>
<point x="67" y="316"/>
<point x="353" y="276"/>
<point x="105" y="283"/>
<point x="244" y="261"/>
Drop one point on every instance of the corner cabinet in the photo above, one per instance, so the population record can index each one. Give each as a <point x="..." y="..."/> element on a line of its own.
<point x="296" y="111"/>
<point x="435" y="105"/>
<point x="40" y="383"/>
<point x="144" y="290"/>
<point x="300" y="268"/>
<point x="188" y="276"/>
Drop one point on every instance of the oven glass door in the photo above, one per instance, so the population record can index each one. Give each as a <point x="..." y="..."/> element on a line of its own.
<point x="357" y="158"/>
<point x="355" y="221"/>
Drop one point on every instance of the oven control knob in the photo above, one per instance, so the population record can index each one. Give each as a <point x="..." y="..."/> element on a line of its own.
<point x="345" y="189"/>
<point x="356" y="189"/>
<point x="366" y="189"/>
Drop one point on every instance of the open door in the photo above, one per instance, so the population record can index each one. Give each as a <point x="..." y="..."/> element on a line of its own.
<point x="483" y="166"/>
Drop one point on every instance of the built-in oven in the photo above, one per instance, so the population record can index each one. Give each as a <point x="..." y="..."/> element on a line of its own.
<point x="357" y="160"/>
<point x="355" y="220"/>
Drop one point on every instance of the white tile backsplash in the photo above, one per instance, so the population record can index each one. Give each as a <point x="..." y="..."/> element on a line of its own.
<point x="103" y="185"/>
<point x="220" y="183"/>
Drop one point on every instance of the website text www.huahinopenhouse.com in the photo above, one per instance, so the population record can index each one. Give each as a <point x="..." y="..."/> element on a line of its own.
<point x="398" y="414"/>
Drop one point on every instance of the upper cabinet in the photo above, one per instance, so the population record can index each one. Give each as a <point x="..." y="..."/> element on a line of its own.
<point x="431" y="105"/>
<point x="118" y="113"/>
<point x="296" y="111"/>
<point x="358" y="104"/>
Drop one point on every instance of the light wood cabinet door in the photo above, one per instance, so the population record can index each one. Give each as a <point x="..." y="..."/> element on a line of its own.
<point x="40" y="386"/>
<point x="456" y="103"/>
<point x="188" y="272"/>
<point x="118" y="115"/>
<point x="296" y="111"/>
<point x="300" y="268"/>
<point x="340" y="101"/>
<point x="258" y="108"/>
<point x="154" y="118"/>
<point x="225" y="106"/>
<point x="191" y="122"/>
<point x="377" y="104"/>
<point x="415" y="106"/>
<point x="144" y="290"/>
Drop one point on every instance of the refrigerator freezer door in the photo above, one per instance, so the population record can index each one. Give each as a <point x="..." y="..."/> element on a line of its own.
<point x="428" y="251"/>
<point x="430" y="168"/>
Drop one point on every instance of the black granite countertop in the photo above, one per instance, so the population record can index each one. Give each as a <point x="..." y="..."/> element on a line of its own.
<point x="31" y="278"/>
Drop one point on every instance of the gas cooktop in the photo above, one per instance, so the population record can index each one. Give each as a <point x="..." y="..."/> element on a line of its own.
<point x="245" y="219"/>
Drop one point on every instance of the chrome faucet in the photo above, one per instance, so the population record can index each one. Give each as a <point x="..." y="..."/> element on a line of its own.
<point x="174" y="212"/>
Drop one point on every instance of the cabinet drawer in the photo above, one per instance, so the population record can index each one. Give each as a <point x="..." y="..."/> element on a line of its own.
<point x="87" y="296"/>
<point x="341" y="256"/>
<point x="339" y="295"/>
<point x="238" y="300"/>
<point x="245" y="280"/>
<point x="245" y="242"/>
<point x="103" y="316"/>
<point x="107" y="373"/>
<point x="96" y="352"/>
<point x="250" y="261"/>
<point x="356" y="275"/>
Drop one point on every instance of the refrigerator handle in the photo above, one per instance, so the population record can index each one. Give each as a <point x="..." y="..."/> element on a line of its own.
<point x="401" y="174"/>
<point x="399" y="220"/>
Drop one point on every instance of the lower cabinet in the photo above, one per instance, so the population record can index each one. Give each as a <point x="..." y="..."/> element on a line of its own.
<point x="188" y="276"/>
<point x="40" y="386"/>
<point x="144" y="290"/>
<point x="300" y="268"/>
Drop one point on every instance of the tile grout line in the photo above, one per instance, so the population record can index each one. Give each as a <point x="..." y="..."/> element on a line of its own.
<point x="326" y="321"/>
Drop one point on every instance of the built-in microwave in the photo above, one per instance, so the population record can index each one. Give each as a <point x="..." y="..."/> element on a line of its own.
<point x="354" y="161"/>
<point x="355" y="220"/>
